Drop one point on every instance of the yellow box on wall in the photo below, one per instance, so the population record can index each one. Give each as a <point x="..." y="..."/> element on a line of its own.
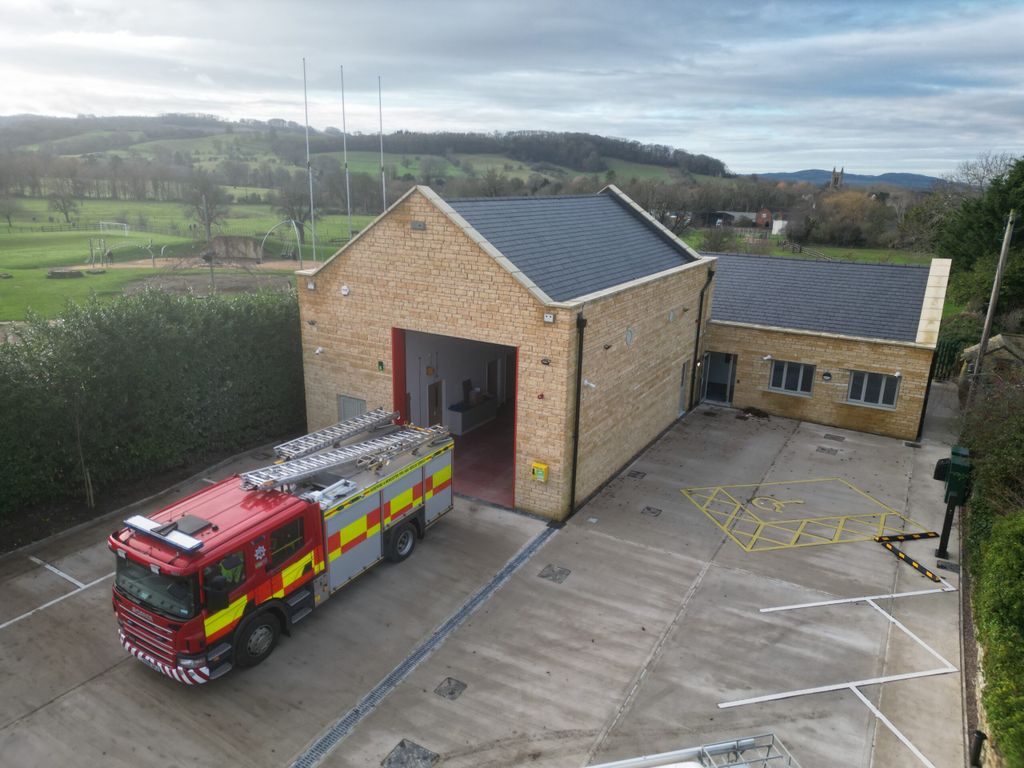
<point x="539" y="472"/>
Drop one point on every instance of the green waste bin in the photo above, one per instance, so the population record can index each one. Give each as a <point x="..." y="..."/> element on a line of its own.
<point x="958" y="478"/>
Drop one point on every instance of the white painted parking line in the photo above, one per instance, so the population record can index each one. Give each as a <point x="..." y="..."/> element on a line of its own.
<point x="56" y="570"/>
<point x="866" y="598"/>
<point x="911" y="635"/>
<point x="854" y="685"/>
<point x="44" y="606"/>
<point x="895" y="731"/>
<point x="834" y="687"/>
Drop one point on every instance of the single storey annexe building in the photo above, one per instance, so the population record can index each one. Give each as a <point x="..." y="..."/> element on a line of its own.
<point x="839" y="343"/>
<point x="556" y="337"/>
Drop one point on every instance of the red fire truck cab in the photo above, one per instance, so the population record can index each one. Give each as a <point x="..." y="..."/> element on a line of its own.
<point x="212" y="581"/>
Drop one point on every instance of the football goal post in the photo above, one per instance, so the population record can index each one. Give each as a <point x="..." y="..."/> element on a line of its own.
<point x="114" y="227"/>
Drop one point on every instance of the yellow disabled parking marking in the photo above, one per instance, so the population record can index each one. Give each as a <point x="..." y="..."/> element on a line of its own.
<point x="755" y="525"/>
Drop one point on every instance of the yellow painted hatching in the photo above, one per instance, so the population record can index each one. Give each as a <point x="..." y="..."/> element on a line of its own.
<point x="762" y="522"/>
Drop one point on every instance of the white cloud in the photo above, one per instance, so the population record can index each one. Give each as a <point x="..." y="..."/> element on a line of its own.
<point x="874" y="86"/>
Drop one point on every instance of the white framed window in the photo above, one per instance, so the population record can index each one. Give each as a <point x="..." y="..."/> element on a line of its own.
<point x="792" y="378"/>
<point x="877" y="389"/>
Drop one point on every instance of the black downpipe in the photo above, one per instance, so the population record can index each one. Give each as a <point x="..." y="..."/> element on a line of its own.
<point x="581" y="323"/>
<point x="927" y="394"/>
<point x="696" y="341"/>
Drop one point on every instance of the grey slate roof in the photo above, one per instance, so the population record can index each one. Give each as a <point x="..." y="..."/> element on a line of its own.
<point x="574" y="245"/>
<point x="878" y="301"/>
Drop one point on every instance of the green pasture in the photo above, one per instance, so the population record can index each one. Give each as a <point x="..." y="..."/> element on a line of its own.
<point x="625" y="170"/>
<point x="44" y="250"/>
<point x="695" y="238"/>
<point x="32" y="289"/>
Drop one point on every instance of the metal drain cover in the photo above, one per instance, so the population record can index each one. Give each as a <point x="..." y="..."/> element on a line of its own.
<point x="555" y="573"/>
<point x="652" y="511"/>
<point x="912" y="445"/>
<point x="450" y="689"/>
<point x="829" y="451"/>
<point x="636" y="474"/>
<point x="837" y="438"/>
<point x="409" y="754"/>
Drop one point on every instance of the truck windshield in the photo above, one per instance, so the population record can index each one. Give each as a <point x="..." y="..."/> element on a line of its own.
<point x="168" y="595"/>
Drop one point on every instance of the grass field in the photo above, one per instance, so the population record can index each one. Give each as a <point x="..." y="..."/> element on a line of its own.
<point x="36" y="250"/>
<point x="694" y="238"/>
<point x="27" y="257"/>
<point x="626" y="170"/>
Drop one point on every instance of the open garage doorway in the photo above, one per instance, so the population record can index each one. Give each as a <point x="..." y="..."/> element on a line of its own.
<point x="719" y="377"/>
<point x="468" y="386"/>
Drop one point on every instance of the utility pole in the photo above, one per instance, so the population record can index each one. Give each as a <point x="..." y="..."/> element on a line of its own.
<point x="209" y="250"/>
<point x="983" y="346"/>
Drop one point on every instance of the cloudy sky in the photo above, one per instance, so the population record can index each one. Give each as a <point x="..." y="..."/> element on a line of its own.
<point x="895" y="85"/>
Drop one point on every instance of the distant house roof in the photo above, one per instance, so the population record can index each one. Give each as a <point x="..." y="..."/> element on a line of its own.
<point x="574" y="245"/>
<point x="878" y="301"/>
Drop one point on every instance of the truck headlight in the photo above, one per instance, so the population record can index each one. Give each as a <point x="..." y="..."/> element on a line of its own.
<point x="192" y="662"/>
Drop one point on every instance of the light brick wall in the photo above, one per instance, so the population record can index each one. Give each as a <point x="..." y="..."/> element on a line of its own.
<point x="828" y="401"/>
<point x="637" y="386"/>
<point x="439" y="281"/>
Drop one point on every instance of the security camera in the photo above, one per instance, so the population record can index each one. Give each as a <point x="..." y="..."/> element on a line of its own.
<point x="318" y="351"/>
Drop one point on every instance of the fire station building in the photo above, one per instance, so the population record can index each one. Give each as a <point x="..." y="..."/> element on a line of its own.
<point x="556" y="337"/>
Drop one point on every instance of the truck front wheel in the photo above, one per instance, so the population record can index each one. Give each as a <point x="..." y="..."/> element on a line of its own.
<point x="401" y="542"/>
<point x="256" y="639"/>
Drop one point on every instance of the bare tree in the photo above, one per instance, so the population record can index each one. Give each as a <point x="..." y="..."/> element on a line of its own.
<point x="62" y="199"/>
<point x="292" y="202"/>
<point x="205" y="201"/>
<point x="9" y="208"/>
<point x="976" y="174"/>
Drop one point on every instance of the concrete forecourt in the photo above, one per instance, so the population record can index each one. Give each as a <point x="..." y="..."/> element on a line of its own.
<point x="642" y="626"/>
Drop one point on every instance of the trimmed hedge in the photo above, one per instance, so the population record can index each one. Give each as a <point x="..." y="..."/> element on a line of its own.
<point x="141" y="384"/>
<point x="994" y="431"/>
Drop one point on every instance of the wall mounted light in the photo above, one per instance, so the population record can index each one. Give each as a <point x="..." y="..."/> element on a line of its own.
<point x="826" y="376"/>
<point x="607" y="346"/>
<point x="767" y="357"/>
<point x="345" y="291"/>
<point x="311" y="322"/>
<point x="545" y="361"/>
<point x="897" y="374"/>
<point x="310" y="285"/>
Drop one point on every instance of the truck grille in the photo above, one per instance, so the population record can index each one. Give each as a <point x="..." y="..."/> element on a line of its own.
<point x="148" y="636"/>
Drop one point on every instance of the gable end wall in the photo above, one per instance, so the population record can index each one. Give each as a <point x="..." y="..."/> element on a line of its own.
<point x="437" y="281"/>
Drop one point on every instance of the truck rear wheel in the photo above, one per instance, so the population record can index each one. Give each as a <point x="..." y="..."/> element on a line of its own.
<point x="401" y="542"/>
<point x="256" y="639"/>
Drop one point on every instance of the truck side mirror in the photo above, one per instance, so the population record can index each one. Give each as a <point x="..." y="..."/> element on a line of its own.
<point x="216" y="590"/>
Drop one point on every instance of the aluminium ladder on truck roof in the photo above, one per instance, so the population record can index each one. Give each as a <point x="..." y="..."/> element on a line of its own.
<point x="332" y="436"/>
<point x="377" y="449"/>
<point x="762" y="751"/>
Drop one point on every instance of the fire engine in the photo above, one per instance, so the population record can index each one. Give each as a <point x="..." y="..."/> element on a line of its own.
<point x="212" y="581"/>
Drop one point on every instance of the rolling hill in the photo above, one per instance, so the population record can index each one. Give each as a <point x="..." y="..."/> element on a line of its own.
<point x="818" y="176"/>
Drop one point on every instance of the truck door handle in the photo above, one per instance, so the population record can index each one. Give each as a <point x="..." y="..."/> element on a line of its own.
<point x="308" y="568"/>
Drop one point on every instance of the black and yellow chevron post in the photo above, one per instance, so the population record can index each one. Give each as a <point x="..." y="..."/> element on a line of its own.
<point x="908" y="560"/>
<point x="908" y="537"/>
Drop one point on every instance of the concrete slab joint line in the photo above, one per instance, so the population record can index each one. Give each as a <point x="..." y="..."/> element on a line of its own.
<point x="854" y="685"/>
<point x="335" y="733"/>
